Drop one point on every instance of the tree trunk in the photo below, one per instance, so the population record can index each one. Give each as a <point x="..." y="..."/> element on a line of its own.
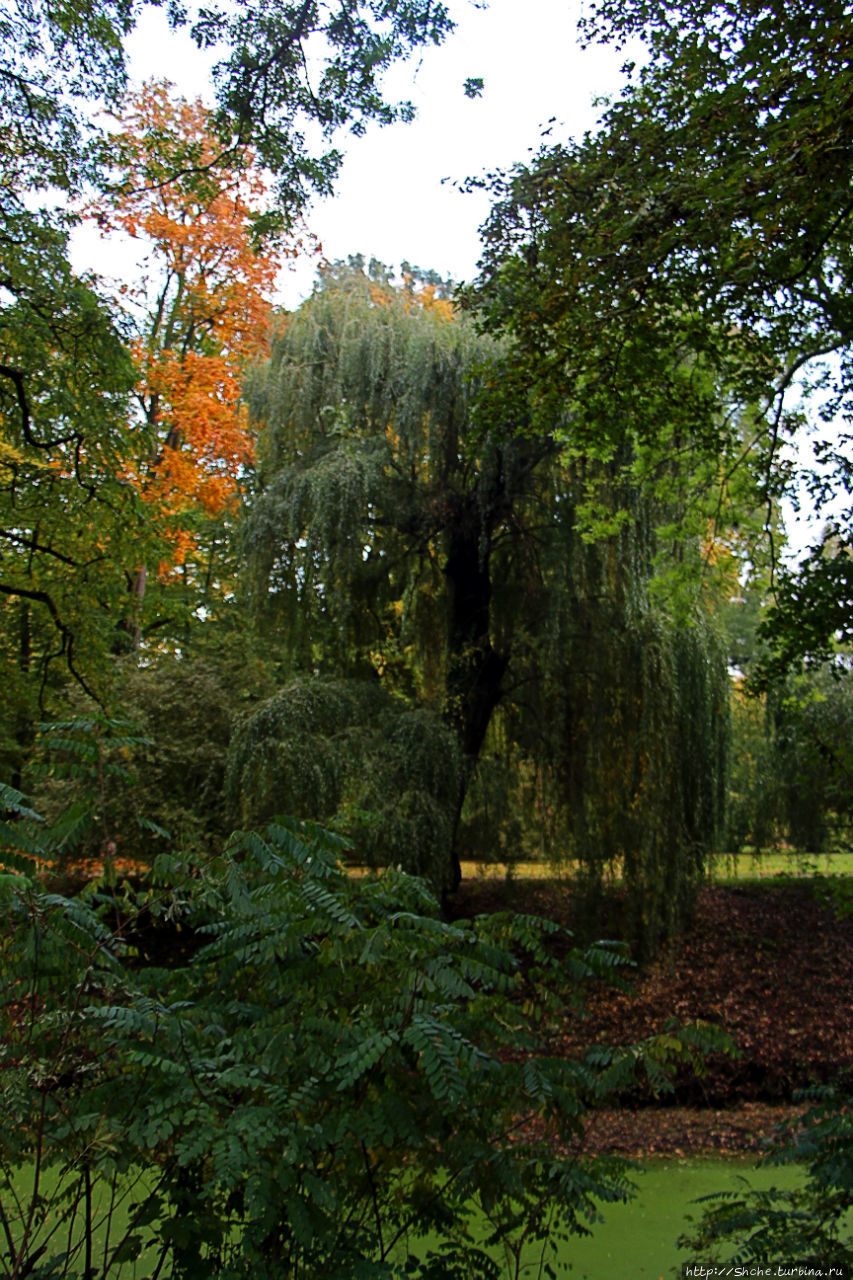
<point x="130" y="625"/>
<point x="475" y="668"/>
<point x="24" y="729"/>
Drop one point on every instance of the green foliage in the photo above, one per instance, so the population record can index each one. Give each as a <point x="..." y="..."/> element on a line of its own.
<point x="813" y="723"/>
<point x="365" y="470"/>
<point x="184" y="708"/>
<point x="73" y="530"/>
<point x="650" y="755"/>
<point x="675" y="281"/>
<point x="812" y="611"/>
<point x="753" y="800"/>
<point x="69" y="525"/>
<point x="384" y="539"/>
<point x="333" y="1075"/>
<point x="349" y="753"/>
<point x="792" y="775"/>
<point x="291" y="63"/>
<point x="639" y="708"/>
<point x="79" y="768"/>
<point x="809" y="1224"/>
<point x="167" y="761"/>
<point x="58" y="60"/>
<point x="391" y="535"/>
<point x="54" y="59"/>
<point x="20" y="845"/>
<point x="85" y="761"/>
<point x="613" y="753"/>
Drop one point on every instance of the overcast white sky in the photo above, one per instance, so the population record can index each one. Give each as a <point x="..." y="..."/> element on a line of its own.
<point x="390" y="201"/>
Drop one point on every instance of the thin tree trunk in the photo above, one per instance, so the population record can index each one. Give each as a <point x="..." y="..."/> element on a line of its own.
<point x="24" y="732"/>
<point x="130" y="626"/>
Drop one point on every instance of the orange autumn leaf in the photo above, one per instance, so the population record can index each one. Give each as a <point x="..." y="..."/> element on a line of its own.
<point x="205" y="301"/>
<point x="416" y="296"/>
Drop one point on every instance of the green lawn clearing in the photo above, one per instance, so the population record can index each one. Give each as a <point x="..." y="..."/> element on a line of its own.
<point x="727" y="867"/>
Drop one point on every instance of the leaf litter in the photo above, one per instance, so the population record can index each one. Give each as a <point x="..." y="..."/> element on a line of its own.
<point x="769" y="963"/>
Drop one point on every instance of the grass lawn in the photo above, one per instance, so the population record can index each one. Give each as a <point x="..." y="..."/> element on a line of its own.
<point x="778" y="862"/>
<point x="637" y="1240"/>
<point x="726" y="867"/>
<point x="62" y="1235"/>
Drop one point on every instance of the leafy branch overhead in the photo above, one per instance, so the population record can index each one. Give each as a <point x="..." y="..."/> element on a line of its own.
<point x="281" y="66"/>
<point x="676" y="279"/>
<point x="71" y="454"/>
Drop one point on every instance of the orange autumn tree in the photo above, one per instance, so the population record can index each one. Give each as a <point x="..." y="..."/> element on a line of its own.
<point x="203" y="308"/>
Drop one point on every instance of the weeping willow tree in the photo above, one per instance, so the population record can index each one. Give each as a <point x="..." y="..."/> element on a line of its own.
<point x="385" y="772"/>
<point x="371" y="539"/>
<point x="377" y="521"/>
<point x="393" y="550"/>
<point x="612" y="737"/>
<point x="645" y="722"/>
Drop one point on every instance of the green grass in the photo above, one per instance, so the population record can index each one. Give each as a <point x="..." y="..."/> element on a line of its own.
<point x="63" y="1239"/>
<point x="779" y="862"/>
<point x="726" y="868"/>
<point x="637" y="1240"/>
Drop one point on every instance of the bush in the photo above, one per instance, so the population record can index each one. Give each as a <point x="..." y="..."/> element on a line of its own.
<point x="335" y="1076"/>
<point x="165" y="759"/>
<point x="793" y="768"/>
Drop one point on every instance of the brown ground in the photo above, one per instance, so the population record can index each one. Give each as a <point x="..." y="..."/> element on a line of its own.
<point x="766" y="962"/>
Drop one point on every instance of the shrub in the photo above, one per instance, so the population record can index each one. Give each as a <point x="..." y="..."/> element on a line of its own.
<point x="336" y="1084"/>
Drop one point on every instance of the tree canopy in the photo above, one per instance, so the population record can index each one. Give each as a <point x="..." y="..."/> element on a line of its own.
<point x="68" y="521"/>
<point x="281" y="65"/>
<point x="200" y="312"/>
<point x="371" y="538"/>
<point x="395" y="539"/>
<point x="290" y="78"/>
<point x="372" y="531"/>
<point x="675" y="280"/>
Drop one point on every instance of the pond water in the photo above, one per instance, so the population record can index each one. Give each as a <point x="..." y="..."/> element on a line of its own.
<point x="637" y="1240"/>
